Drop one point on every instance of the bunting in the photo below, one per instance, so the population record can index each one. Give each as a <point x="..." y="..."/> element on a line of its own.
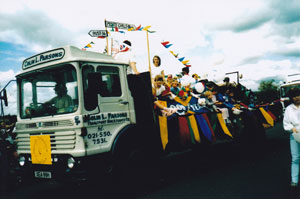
<point x="89" y="45"/>
<point x="167" y="44"/>
<point x="116" y="26"/>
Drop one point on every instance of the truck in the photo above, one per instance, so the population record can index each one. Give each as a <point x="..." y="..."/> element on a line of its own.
<point x="293" y="82"/>
<point x="107" y="122"/>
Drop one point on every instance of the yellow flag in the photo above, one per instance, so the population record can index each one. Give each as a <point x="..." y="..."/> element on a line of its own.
<point x="40" y="148"/>
<point x="185" y="62"/>
<point x="194" y="127"/>
<point x="163" y="126"/>
<point x="89" y="45"/>
<point x="146" y="28"/>
<point x="266" y="115"/>
<point x="223" y="125"/>
<point x="130" y="29"/>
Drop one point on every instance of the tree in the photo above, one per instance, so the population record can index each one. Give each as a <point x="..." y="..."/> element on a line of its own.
<point x="267" y="91"/>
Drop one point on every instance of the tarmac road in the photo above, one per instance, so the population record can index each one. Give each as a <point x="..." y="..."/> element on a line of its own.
<point x="226" y="171"/>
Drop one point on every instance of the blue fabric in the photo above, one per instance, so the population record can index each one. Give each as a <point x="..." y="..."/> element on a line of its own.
<point x="204" y="126"/>
<point x="295" y="153"/>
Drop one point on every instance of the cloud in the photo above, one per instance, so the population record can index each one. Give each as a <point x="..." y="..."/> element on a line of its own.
<point x="34" y="29"/>
<point x="11" y="89"/>
<point x="246" y="23"/>
<point x="286" y="12"/>
<point x="6" y="76"/>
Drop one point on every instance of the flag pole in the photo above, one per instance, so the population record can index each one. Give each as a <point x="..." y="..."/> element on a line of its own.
<point x="148" y="52"/>
<point x="106" y="37"/>
<point x="111" y="45"/>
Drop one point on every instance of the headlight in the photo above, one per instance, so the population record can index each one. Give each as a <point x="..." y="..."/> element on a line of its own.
<point x="22" y="161"/>
<point x="71" y="162"/>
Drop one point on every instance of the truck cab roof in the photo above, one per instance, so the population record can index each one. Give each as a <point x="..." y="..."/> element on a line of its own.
<point x="65" y="54"/>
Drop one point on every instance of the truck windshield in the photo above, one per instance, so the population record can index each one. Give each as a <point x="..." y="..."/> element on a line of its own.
<point x="49" y="91"/>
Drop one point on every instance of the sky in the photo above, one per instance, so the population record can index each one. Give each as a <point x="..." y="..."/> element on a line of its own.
<point x="258" y="38"/>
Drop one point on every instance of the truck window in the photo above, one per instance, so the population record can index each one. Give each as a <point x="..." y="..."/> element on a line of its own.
<point x="88" y="98"/>
<point x="110" y="81"/>
<point x="40" y="93"/>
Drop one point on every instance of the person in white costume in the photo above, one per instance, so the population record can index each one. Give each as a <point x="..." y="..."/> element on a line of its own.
<point x="126" y="54"/>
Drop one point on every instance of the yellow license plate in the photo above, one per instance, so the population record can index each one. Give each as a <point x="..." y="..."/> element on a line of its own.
<point x="40" y="148"/>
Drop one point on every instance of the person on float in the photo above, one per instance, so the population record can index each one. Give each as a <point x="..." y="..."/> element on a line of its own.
<point x="125" y="54"/>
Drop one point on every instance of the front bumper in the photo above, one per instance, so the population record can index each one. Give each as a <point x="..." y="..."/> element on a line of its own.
<point x="83" y="168"/>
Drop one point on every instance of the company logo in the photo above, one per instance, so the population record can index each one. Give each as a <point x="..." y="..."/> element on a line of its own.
<point x="43" y="57"/>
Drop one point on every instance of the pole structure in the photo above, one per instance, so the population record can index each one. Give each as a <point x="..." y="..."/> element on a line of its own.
<point x="148" y="52"/>
<point x="238" y="75"/>
<point x="106" y="37"/>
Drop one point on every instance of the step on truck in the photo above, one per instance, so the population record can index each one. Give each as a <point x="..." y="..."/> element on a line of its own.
<point x="80" y="114"/>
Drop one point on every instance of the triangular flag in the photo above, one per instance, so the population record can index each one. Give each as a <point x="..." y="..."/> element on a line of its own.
<point x="165" y="43"/>
<point x="121" y="31"/>
<point x="130" y="29"/>
<point x="92" y="42"/>
<point x="167" y="46"/>
<point x="146" y="28"/>
<point x="89" y="45"/>
<point x="151" y="31"/>
<point x="181" y="59"/>
<point x="101" y="37"/>
<point x="138" y="27"/>
<point x="185" y="62"/>
<point x="187" y="65"/>
<point x="116" y="29"/>
<point x="172" y="53"/>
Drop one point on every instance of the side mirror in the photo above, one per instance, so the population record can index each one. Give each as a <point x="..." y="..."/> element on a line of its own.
<point x="4" y="97"/>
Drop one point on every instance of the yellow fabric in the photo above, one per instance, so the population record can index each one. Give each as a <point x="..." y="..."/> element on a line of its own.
<point x="163" y="130"/>
<point x="185" y="62"/>
<point x="163" y="126"/>
<point x="163" y="103"/>
<point x="183" y="102"/>
<point x="146" y="28"/>
<point x="195" y="128"/>
<point x="266" y="115"/>
<point x="223" y="125"/>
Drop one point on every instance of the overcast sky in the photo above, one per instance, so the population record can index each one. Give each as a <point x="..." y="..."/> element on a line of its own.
<point x="258" y="38"/>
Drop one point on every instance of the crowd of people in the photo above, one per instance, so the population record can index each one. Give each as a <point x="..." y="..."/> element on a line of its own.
<point x="225" y="98"/>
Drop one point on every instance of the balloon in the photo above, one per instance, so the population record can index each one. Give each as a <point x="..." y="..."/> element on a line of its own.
<point x="199" y="87"/>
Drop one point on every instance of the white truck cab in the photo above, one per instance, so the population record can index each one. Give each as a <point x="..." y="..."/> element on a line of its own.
<point x="57" y="132"/>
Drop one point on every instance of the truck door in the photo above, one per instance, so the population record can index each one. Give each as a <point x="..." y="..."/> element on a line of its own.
<point x="115" y="108"/>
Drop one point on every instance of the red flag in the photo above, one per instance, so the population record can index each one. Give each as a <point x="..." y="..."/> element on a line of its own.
<point x="165" y="43"/>
<point x="138" y="27"/>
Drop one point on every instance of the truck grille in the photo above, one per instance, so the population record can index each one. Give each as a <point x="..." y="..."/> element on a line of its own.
<point x="64" y="140"/>
<point x="36" y="125"/>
